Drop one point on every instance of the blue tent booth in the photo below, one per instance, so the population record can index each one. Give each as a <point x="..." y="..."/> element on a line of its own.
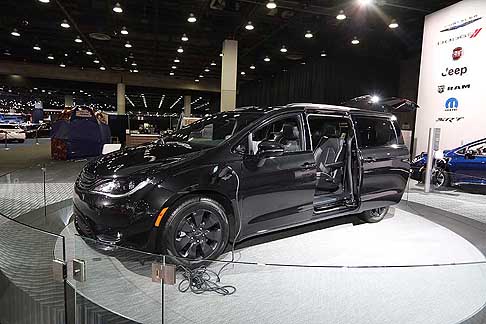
<point x="79" y="132"/>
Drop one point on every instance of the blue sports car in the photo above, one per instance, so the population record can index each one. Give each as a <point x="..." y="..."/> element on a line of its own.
<point x="465" y="165"/>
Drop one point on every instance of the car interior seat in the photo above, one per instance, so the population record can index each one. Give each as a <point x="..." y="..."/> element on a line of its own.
<point x="288" y="136"/>
<point x="329" y="157"/>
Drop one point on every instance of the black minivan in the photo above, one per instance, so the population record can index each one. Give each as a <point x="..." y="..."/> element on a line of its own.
<point x="243" y="173"/>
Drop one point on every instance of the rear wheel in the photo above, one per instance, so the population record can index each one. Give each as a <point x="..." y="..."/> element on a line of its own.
<point x="374" y="215"/>
<point x="196" y="230"/>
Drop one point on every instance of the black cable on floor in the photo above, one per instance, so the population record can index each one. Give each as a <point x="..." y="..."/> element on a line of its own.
<point x="203" y="280"/>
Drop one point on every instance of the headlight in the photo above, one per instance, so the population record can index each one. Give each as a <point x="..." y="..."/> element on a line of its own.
<point x="120" y="187"/>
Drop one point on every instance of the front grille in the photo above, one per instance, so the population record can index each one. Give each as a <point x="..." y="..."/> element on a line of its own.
<point x="86" y="180"/>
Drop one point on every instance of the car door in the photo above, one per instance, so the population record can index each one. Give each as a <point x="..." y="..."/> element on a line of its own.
<point x="277" y="191"/>
<point x="384" y="156"/>
<point x="469" y="166"/>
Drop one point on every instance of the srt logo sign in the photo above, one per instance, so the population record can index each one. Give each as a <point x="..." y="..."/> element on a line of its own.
<point x="456" y="71"/>
<point x="443" y="88"/>
<point x="451" y="104"/>
<point x="449" y="119"/>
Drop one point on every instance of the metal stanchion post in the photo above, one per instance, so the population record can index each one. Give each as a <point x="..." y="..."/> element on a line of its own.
<point x="6" y="148"/>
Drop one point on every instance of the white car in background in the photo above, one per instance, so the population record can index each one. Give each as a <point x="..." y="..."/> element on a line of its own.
<point x="13" y="132"/>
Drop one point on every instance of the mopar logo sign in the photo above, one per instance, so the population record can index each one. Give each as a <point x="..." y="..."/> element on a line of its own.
<point x="451" y="104"/>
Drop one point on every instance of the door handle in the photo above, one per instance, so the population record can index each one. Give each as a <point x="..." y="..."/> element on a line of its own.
<point x="369" y="159"/>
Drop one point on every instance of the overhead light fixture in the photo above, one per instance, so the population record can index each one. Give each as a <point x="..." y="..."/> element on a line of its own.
<point x="173" y="67"/>
<point x="117" y="8"/>
<point x="176" y="60"/>
<point x="355" y="41"/>
<point x="308" y="34"/>
<point x="96" y="61"/>
<point x="266" y="59"/>
<point x="65" y="24"/>
<point x="243" y="73"/>
<point x="201" y="76"/>
<point x="50" y="57"/>
<point x="206" y="70"/>
<point x="102" y="68"/>
<point x="15" y="33"/>
<point x="341" y="15"/>
<point x="45" y="1"/>
<point x="249" y="26"/>
<point x="62" y="65"/>
<point x="221" y="54"/>
<point x="393" y="24"/>
<point x="128" y="45"/>
<point x="135" y="71"/>
<point x="88" y="52"/>
<point x="134" y="64"/>
<point x="197" y="80"/>
<point x="36" y="47"/>
<point x="252" y="67"/>
<point x="171" y="73"/>
<point x="180" y="50"/>
<point x="283" y="49"/>
<point x="184" y="38"/>
<point x="66" y="54"/>
<point x="375" y="99"/>
<point x="191" y="18"/>
<point x="213" y="63"/>
<point x="124" y="31"/>
<point x="365" y="2"/>
<point x="78" y="39"/>
<point x="323" y="54"/>
<point x="271" y="4"/>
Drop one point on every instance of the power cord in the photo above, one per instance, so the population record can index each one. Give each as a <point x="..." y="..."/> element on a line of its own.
<point x="201" y="280"/>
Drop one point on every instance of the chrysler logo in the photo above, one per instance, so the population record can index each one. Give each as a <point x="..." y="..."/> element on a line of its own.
<point x="472" y="34"/>
<point x="457" y="53"/>
<point x="460" y="24"/>
<point x="443" y="88"/>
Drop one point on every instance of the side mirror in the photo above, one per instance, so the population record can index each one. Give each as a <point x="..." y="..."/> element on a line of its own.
<point x="268" y="149"/>
<point x="469" y="154"/>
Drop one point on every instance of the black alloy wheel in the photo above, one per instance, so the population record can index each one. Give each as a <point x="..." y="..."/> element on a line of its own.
<point x="440" y="178"/>
<point x="374" y="215"/>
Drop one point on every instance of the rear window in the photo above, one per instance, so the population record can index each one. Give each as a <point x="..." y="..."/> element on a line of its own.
<point x="375" y="132"/>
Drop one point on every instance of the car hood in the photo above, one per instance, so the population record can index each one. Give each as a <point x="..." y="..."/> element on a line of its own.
<point x="144" y="158"/>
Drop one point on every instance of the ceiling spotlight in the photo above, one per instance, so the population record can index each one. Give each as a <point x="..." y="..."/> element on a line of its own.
<point x="266" y="59"/>
<point x="15" y="33"/>
<point x="201" y="76"/>
<point x="249" y="26"/>
<point x="117" y="8"/>
<point x="213" y="63"/>
<point x="36" y="47"/>
<point x="50" y="57"/>
<point x="365" y="2"/>
<point x="45" y="1"/>
<point x="184" y="38"/>
<point x="135" y="71"/>
<point x="102" y="68"/>
<point x="355" y="41"/>
<point x="191" y="18"/>
<point x="78" y="40"/>
<point x="7" y="52"/>
<point x="173" y="67"/>
<point x="206" y="70"/>
<point x="171" y="73"/>
<point x="180" y="50"/>
<point x="221" y="54"/>
<point x="88" y="52"/>
<point x="252" y="67"/>
<point x="308" y="34"/>
<point x="375" y="99"/>
<point x="65" y="24"/>
<point x="124" y="31"/>
<point x="197" y="80"/>
<point x="62" y="65"/>
<point x="393" y="24"/>
<point x="66" y="54"/>
<point x="323" y="54"/>
<point x="128" y="45"/>
<point x="134" y="64"/>
<point x="271" y="4"/>
<point x="341" y="15"/>
<point x="96" y="61"/>
<point x="176" y="60"/>
<point x="242" y="73"/>
<point x="283" y="49"/>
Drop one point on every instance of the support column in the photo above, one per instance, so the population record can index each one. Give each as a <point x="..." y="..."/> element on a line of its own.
<point x="229" y="70"/>
<point x="120" y="98"/>
<point x="187" y="106"/>
<point x="68" y="101"/>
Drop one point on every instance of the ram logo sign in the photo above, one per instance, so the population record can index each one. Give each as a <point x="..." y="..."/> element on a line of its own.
<point x="451" y="104"/>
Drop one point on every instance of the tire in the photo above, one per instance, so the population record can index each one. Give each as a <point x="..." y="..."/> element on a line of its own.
<point x="440" y="178"/>
<point x="196" y="231"/>
<point x="374" y="215"/>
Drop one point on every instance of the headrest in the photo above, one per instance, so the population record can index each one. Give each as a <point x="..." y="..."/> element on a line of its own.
<point x="290" y="132"/>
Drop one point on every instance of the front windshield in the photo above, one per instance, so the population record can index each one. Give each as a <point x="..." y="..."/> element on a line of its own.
<point x="215" y="129"/>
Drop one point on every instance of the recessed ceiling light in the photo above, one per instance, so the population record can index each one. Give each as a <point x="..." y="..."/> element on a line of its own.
<point x="102" y="68"/>
<point x="283" y="49"/>
<point x="173" y="67"/>
<point x="171" y="73"/>
<point x="201" y="76"/>
<point x="308" y="34"/>
<point x="271" y="4"/>
<point x="184" y="38"/>
<point x="7" y="52"/>
<point x="365" y="2"/>
<point x="191" y="18"/>
<point x="62" y="65"/>
<point x="355" y="41"/>
<point x="78" y="40"/>
<point x="88" y="52"/>
<point x="96" y="61"/>
<point x="180" y="50"/>
<point x="213" y="63"/>
<point x="221" y="54"/>
<point x="341" y="15"/>
<point x="124" y="31"/>
<point x="393" y="24"/>
<point x="36" y="47"/>
<point x="117" y="8"/>
<point x="252" y="67"/>
<point x="323" y="54"/>
<point x="242" y="73"/>
<point x="50" y="57"/>
<point x="206" y="70"/>
<point x="176" y="60"/>
<point x="134" y="64"/>
<point x="66" y="54"/>
<point x="128" y="45"/>
<point x="249" y="26"/>
<point x="266" y="59"/>
<point x="135" y="71"/>
<point x="45" y="1"/>
<point x="65" y="24"/>
<point x="15" y="33"/>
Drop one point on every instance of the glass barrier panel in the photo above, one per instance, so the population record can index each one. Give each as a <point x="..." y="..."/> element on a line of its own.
<point x="32" y="270"/>
<point x="114" y="284"/>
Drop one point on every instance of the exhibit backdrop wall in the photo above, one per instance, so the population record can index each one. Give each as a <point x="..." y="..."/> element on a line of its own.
<point x="452" y="90"/>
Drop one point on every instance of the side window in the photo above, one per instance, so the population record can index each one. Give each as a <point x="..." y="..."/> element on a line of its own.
<point x="324" y="129"/>
<point x="375" y="132"/>
<point x="478" y="149"/>
<point x="286" y="131"/>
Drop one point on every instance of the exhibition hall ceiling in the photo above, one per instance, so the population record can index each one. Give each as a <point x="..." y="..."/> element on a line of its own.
<point x="146" y="36"/>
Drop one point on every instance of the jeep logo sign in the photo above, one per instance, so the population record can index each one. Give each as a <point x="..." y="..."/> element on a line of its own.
<point x="454" y="71"/>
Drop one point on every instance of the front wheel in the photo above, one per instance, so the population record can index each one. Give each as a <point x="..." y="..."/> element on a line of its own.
<point x="374" y="215"/>
<point x="196" y="230"/>
<point x="440" y="178"/>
